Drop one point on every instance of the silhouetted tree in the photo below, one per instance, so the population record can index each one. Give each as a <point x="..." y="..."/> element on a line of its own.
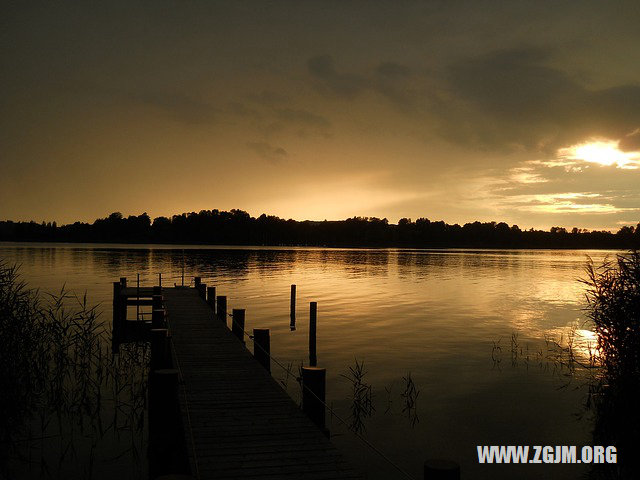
<point x="239" y="228"/>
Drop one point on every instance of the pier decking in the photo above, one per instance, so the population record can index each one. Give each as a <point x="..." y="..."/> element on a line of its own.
<point x="238" y="422"/>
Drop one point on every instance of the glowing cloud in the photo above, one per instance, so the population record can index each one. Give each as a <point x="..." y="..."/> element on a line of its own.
<point x="601" y="152"/>
<point x="570" y="202"/>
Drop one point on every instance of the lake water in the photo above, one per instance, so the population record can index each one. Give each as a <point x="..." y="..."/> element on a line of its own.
<point x="445" y="317"/>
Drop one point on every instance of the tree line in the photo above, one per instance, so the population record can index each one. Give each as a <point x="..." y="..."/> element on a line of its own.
<point x="237" y="227"/>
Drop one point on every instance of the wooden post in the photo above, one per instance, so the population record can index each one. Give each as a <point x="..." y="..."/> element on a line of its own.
<point x="202" y="290"/>
<point x="159" y="353"/>
<point x="167" y="442"/>
<point x="157" y="318"/>
<point x="221" y="308"/>
<point x="313" y="394"/>
<point x="292" y="310"/>
<point x="156" y="301"/>
<point x="211" y="298"/>
<point x="237" y="320"/>
<point x="160" y="280"/>
<point x="117" y="321"/>
<point x="197" y="281"/>
<point x="437" y="469"/>
<point x="262" y="347"/>
<point x="123" y="281"/>
<point x="138" y="298"/>
<point x="116" y="302"/>
<point x="313" y="319"/>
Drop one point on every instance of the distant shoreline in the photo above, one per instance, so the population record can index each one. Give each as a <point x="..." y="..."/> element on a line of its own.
<point x="201" y="246"/>
<point x="238" y="228"/>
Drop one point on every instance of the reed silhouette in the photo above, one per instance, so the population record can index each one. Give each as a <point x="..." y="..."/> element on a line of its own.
<point x="613" y="294"/>
<point x="65" y="400"/>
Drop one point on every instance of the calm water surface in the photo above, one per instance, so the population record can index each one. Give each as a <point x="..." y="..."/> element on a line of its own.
<point x="433" y="315"/>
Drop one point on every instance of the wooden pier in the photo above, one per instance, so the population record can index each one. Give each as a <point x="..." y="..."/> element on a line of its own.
<point x="236" y="421"/>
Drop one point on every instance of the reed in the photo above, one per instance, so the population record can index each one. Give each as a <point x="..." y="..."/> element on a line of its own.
<point x="65" y="399"/>
<point x="361" y="396"/>
<point x="409" y="397"/>
<point x="613" y="304"/>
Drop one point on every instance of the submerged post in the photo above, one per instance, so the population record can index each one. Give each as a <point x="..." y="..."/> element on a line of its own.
<point x="211" y="298"/>
<point x="221" y="309"/>
<point x="293" y="303"/>
<point x="237" y="321"/>
<point x="313" y="394"/>
<point x="437" y="469"/>
<point x="262" y="347"/>
<point x="313" y="318"/>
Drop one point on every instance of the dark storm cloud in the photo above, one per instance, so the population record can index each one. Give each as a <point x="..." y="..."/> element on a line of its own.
<point x="267" y="97"/>
<point x="386" y="79"/>
<point x="180" y="107"/>
<point x="341" y="84"/>
<point x="631" y="142"/>
<point x="393" y="70"/>
<point x="517" y="98"/>
<point x="266" y="151"/>
<point x="302" y="117"/>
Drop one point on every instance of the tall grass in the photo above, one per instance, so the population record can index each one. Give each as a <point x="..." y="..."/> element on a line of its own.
<point x="66" y="403"/>
<point x="361" y="396"/>
<point x="613" y="296"/>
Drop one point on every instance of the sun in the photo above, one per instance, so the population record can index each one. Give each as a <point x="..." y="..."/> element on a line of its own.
<point x="601" y="152"/>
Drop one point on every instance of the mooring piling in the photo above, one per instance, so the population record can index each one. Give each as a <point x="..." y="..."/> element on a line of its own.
<point x="262" y="347"/>
<point x="292" y="310"/>
<point x="167" y="444"/>
<point x="117" y="312"/>
<point x="202" y="290"/>
<point x="157" y="318"/>
<point x="159" y="351"/>
<point x="221" y="308"/>
<point x="313" y="394"/>
<point x="211" y="298"/>
<point x="237" y="323"/>
<point x="156" y="300"/>
<point x="313" y="318"/>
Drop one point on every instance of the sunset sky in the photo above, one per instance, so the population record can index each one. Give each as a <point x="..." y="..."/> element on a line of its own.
<point x="524" y="112"/>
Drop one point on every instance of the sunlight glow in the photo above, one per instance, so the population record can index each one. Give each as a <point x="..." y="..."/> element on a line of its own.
<point x="601" y="152"/>
<point x="565" y="203"/>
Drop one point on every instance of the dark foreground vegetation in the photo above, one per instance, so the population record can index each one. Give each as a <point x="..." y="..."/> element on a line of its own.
<point x="237" y="227"/>
<point x="613" y="294"/>
<point x="68" y="407"/>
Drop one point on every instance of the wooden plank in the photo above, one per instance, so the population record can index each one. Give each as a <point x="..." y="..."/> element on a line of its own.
<point x="239" y="422"/>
